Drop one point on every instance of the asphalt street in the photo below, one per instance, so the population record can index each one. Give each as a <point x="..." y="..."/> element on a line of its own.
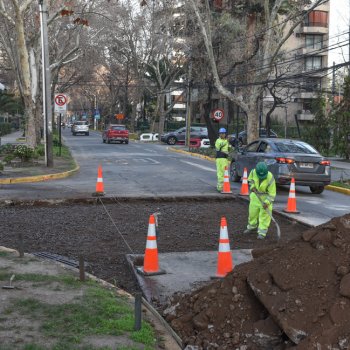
<point x="144" y="169"/>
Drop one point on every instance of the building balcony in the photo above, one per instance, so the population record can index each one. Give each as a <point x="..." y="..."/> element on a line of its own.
<point x="305" y="115"/>
<point x="314" y="28"/>
<point x="306" y="95"/>
<point x="309" y="51"/>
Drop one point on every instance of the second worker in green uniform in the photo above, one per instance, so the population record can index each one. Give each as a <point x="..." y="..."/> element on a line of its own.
<point x="222" y="148"/>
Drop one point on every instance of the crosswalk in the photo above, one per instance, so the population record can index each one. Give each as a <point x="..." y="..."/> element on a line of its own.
<point x="131" y="161"/>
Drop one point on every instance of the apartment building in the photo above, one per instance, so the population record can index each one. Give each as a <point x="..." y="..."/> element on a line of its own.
<point x="306" y="54"/>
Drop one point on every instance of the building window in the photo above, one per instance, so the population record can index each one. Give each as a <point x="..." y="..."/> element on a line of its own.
<point x="313" y="41"/>
<point x="312" y="84"/>
<point x="317" y="19"/>
<point x="313" y="62"/>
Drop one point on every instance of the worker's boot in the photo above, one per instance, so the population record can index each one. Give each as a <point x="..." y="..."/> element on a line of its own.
<point x="261" y="237"/>
<point x="250" y="230"/>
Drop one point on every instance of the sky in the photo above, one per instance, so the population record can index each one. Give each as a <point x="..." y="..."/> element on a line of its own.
<point x="338" y="23"/>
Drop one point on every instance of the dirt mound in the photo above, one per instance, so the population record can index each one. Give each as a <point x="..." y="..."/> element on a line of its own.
<point x="293" y="296"/>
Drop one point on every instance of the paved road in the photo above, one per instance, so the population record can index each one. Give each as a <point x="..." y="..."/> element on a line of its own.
<point x="141" y="169"/>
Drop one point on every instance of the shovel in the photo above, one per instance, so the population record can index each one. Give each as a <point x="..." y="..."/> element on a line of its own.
<point x="270" y="215"/>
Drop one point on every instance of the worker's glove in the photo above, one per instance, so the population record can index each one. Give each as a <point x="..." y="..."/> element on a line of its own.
<point x="254" y="190"/>
<point x="265" y="205"/>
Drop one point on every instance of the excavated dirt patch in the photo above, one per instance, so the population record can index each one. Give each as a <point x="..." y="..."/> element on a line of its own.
<point x="87" y="230"/>
<point x="293" y="296"/>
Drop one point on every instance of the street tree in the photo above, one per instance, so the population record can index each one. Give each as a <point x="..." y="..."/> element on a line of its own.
<point x="20" y="39"/>
<point x="267" y="26"/>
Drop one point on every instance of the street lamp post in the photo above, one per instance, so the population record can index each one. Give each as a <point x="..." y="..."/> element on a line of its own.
<point x="46" y="85"/>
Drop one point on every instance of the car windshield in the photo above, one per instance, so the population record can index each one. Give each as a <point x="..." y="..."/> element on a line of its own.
<point x="80" y="123"/>
<point x="295" y="147"/>
<point x="118" y="127"/>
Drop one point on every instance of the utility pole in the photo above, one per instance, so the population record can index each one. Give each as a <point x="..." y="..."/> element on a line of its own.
<point x="333" y="82"/>
<point x="188" y="106"/>
<point x="46" y="85"/>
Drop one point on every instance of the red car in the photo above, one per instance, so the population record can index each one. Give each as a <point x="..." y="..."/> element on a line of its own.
<point x="115" y="133"/>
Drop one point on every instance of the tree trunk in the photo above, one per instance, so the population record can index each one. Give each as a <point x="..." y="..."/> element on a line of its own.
<point x="252" y="124"/>
<point x="207" y="109"/>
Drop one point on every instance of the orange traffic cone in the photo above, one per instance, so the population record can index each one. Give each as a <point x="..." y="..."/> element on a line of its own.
<point x="224" y="256"/>
<point x="292" y="201"/>
<point x="244" y="187"/>
<point x="227" y="186"/>
<point x="99" y="183"/>
<point x="150" y="261"/>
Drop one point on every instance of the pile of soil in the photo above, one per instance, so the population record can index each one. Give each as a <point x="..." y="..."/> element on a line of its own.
<point x="293" y="296"/>
<point x="88" y="230"/>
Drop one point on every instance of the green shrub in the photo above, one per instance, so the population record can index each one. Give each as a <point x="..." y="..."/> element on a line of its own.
<point x="5" y="128"/>
<point x="7" y="159"/>
<point x="39" y="151"/>
<point x="7" y="149"/>
<point x="23" y="152"/>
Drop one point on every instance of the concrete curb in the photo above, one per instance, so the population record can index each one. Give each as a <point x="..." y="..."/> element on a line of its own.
<point x="338" y="189"/>
<point x="40" y="178"/>
<point x="201" y="156"/>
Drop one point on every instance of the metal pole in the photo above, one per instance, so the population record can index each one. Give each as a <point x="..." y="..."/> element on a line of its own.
<point x="46" y="82"/>
<point x="286" y="121"/>
<point x="188" y="107"/>
<point x="138" y="311"/>
<point x="59" y="134"/>
<point x="333" y="82"/>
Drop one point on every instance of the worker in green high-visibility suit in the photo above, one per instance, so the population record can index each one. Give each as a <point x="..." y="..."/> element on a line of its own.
<point x="262" y="184"/>
<point x="222" y="148"/>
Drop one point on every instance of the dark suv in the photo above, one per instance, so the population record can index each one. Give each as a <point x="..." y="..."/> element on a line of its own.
<point x="180" y="135"/>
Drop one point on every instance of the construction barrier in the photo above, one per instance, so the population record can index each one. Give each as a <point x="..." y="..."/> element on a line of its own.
<point x="146" y="137"/>
<point x="205" y="143"/>
<point x="194" y="143"/>
<point x="155" y="137"/>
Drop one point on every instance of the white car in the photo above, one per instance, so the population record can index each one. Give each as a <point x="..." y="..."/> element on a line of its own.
<point x="80" y="127"/>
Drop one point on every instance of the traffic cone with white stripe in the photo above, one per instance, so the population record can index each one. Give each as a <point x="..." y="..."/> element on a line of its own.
<point x="150" y="261"/>
<point x="225" y="264"/>
<point x="99" y="183"/>
<point x="227" y="186"/>
<point x="244" y="187"/>
<point x="292" y="201"/>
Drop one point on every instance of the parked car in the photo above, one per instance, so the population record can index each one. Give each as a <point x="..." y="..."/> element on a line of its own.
<point x="80" y="127"/>
<point x="180" y="135"/>
<point x="285" y="158"/>
<point x="115" y="133"/>
<point x="242" y="136"/>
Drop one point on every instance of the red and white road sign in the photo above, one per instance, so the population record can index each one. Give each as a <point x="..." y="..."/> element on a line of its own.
<point x="61" y="103"/>
<point x="218" y="114"/>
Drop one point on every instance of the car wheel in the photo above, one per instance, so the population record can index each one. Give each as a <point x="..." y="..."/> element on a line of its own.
<point x="108" y="141"/>
<point x="171" y="140"/>
<point x="74" y="134"/>
<point x="103" y="140"/>
<point x="233" y="173"/>
<point x="316" y="189"/>
<point x="126" y="142"/>
<point x="87" y="134"/>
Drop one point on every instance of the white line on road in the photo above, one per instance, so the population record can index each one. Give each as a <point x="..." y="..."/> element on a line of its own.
<point x="199" y="166"/>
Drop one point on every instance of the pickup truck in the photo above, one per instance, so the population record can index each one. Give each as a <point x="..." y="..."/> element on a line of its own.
<point x="116" y="133"/>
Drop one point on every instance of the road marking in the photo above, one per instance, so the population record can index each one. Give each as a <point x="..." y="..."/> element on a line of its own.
<point x="199" y="166"/>
<point x="152" y="161"/>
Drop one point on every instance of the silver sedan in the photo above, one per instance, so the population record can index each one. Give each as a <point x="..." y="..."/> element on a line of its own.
<point x="285" y="158"/>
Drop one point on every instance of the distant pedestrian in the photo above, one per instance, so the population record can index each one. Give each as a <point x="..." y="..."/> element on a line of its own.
<point x="222" y="148"/>
<point x="262" y="185"/>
